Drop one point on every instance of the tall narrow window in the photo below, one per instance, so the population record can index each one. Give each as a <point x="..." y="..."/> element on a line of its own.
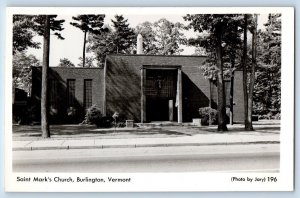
<point x="87" y="93"/>
<point x="71" y="92"/>
<point x="53" y="92"/>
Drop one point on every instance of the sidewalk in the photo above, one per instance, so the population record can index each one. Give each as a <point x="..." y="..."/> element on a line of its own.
<point x="93" y="138"/>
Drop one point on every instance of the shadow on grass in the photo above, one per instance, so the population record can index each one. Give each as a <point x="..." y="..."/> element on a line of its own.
<point x="92" y="131"/>
<point x="263" y="130"/>
<point x="77" y="130"/>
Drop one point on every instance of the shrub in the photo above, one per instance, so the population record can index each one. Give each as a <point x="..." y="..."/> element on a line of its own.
<point x="93" y="115"/>
<point x="105" y="122"/>
<point x="208" y="115"/>
<point x="121" y="121"/>
<point x="72" y="115"/>
<point x="277" y="116"/>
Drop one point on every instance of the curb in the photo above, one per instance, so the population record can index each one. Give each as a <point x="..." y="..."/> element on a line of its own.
<point x="138" y="145"/>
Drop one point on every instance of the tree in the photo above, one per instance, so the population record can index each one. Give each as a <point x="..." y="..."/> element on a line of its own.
<point x="40" y="25"/>
<point x="219" y="33"/>
<point x="249" y="69"/>
<point x="232" y="49"/>
<point x="169" y="36"/>
<point x="120" y="40"/>
<point x="244" y="64"/>
<point x="101" y="45"/>
<point x="22" y="64"/>
<point x="252" y="73"/>
<point x="146" y="29"/>
<point x="123" y="35"/>
<point x="23" y="33"/>
<point x="89" y="23"/>
<point x="89" y="62"/>
<point x="43" y="25"/>
<point x="267" y="94"/>
<point x="64" y="62"/>
<point x="45" y="68"/>
<point x="162" y="37"/>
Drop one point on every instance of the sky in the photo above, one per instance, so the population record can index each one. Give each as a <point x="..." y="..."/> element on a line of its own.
<point x="71" y="47"/>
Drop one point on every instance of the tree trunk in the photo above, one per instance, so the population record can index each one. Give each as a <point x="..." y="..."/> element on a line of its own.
<point x="83" y="53"/>
<point x="245" y="90"/>
<point x="220" y="82"/>
<point x="45" y="68"/>
<point x="231" y="90"/>
<point x="252" y="75"/>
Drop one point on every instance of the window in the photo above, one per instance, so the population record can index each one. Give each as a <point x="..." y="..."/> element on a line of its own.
<point x="87" y="93"/>
<point x="71" y="92"/>
<point x="53" y="92"/>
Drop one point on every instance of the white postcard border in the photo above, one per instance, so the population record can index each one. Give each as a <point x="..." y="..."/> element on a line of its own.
<point x="165" y="181"/>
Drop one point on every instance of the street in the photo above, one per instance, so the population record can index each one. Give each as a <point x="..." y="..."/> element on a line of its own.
<point x="216" y="158"/>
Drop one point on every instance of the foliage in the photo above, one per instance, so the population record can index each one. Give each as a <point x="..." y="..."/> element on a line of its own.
<point x="93" y="115"/>
<point x="124" y="36"/>
<point x="101" y="45"/>
<point x="22" y="64"/>
<point x="168" y="35"/>
<point x="149" y="37"/>
<point x="89" y="62"/>
<point x="23" y="33"/>
<point x="40" y="25"/>
<point x="208" y="115"/>
<point x="121" y="120"/>
<point x="64" y="62"/>
<point x="277" y="116"/>
<point x="221" y="31"/>
<point x="206" y="42"/>
<point x="162" y="37"/>
<point x="25" y="27"/>
<point x="71" y="111"/>
<point x="89" y="23"/>
<point x="24" y="114"/>
<point x="105" y="122"/>
<point x="119" y="40"/>
<point x="55" y="25"/>
<point x="46" y="23"/>
<point x="267" y="94"/>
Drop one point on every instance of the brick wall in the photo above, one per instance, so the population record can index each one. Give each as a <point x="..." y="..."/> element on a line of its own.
<point x="120" y="88"/>
<point x="123" y="83"/>
<point x="58" y="95"/>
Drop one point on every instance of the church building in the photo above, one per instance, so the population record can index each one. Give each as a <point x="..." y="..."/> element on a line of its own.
<point x="144" y="88"/>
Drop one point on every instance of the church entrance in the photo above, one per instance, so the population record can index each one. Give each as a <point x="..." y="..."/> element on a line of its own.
<point x="157" y="110"/>
<point x="160" y="91"/>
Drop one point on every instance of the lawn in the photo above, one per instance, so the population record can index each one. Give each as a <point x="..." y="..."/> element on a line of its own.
<point x="28" y="132"/>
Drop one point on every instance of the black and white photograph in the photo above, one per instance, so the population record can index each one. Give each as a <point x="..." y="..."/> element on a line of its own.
<point x="149" y="99"/>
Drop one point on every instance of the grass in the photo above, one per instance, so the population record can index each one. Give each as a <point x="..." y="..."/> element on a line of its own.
<point x="28" y="132"/>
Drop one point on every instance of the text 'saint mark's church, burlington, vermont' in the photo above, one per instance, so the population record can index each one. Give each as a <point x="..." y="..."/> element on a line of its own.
<point x="144" y="88"/>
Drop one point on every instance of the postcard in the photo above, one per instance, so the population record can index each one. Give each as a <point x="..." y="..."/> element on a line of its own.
<point x="147" y="99"/>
